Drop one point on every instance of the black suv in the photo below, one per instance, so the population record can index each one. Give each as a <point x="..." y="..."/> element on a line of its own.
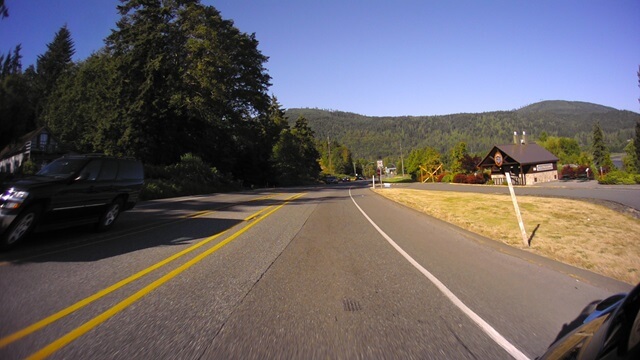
<point x="72" y="190"/>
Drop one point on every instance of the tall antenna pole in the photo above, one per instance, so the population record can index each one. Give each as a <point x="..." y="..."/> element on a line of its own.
<point x="329" y="147"/>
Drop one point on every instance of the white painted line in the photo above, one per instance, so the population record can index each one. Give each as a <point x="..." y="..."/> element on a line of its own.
<point x="484" y="326"/>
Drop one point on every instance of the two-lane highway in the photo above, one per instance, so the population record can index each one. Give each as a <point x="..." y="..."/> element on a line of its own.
<point x="331" y="272"/>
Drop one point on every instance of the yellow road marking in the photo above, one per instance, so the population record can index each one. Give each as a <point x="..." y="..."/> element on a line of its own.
<point x="80" y="304"/>
<point x="86" y="327"/>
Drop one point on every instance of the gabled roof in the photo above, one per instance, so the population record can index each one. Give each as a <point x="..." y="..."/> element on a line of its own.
<point x="524" y="154"/>
<point x="17" y="145"/>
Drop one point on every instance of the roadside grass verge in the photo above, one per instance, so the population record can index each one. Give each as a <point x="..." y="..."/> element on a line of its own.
<point x="578" y="233"/>
<point x="398" y="179"/>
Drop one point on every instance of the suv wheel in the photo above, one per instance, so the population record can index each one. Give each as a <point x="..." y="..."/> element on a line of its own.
<point x="20" y="228"/>
<point x="108" y="218"/>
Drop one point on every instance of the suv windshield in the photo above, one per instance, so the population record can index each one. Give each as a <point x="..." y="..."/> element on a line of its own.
<point x="62" y="167"/>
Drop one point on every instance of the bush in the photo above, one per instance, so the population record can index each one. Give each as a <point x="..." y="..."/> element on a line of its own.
<point x="619" y="178"/>
<point x="29" y="168"/>
<point x="469" y="178"/>
<point x="158" y="189"/>
<point x="460" y="178"/>
<point x="447" y="178"/>
<point x="581" y="172"/>
<point x="567" y="172"/>
<point x="475" y="179"/>
<point x="190" y="176"/>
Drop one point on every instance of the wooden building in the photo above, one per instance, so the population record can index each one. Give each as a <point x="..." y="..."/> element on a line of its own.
<point x="38" y="146"/>
<point x="527" y="163"/>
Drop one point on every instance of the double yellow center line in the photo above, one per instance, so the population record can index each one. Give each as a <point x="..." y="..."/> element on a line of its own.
<point x="81" y="330"/>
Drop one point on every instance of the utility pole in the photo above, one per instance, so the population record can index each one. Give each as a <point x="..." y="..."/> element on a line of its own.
<point x="401" y="158"/>
<point x="329" y="148"/>
<point x="401" y="154"/>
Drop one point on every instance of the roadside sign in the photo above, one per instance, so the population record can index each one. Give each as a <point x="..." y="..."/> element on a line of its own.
<point x="380" y="164"/>
<point x="498" y="159"/>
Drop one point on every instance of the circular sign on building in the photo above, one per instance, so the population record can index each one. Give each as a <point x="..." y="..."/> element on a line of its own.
<point x="498" y="159"/>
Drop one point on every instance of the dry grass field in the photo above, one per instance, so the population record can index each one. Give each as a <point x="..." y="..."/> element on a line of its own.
<point x="579" y="233"/>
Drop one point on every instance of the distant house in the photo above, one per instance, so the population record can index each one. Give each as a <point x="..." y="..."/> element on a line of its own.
<point x="527" y="163"/>
<point x="391" y="170"/>
<point x="38" y="146"/>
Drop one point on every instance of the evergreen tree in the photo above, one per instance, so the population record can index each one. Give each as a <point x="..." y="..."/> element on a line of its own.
<point x="277" y="119"/>
<point x="12" y="63"/>
<point x="630" y="161"/>
<point x="637" y="142"/>
<point x="601" y="156"/>
<point x="295" y="157"/>
<point x="4" y="12"/>
<point x="16" y="110"/>
<point x="51" y="65"/>
<point x="308" y="156"/>
<point x="543" y="136"/>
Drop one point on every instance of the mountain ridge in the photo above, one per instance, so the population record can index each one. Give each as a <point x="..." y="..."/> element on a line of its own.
<point x="370" y="137"/>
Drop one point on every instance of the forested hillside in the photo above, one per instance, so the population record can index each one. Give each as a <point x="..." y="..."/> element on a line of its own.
<point x="370" y="137"/>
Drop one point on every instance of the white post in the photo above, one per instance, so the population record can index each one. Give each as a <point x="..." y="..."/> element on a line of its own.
<point x="374" y="181"/>
<point x="525" y="240"/>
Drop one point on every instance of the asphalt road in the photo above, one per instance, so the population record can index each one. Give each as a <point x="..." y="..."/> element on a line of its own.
<point x="331" y="272"/>
<point x="627" y="195"/>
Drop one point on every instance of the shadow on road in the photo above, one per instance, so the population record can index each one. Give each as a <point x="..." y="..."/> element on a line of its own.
<point x="152" y="224"/>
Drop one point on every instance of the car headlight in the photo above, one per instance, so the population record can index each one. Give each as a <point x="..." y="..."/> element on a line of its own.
<point x="13" y="198"/>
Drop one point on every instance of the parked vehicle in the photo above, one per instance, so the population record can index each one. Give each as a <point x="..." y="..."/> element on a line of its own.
<point x="72" y="190"/>
<point x="330" y="179"/>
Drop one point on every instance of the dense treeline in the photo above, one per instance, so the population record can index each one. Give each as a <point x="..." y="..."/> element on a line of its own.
<point x="373" y="137"/>
<point x="174" y="78"/>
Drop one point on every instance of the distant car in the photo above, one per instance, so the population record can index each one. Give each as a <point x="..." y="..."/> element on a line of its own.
<point x="359" y="178"/>
<point x="346" y="179"/>
<point x="72" y="190"/>
<point x="330" y="179"/>
<point x="610" y="331"/>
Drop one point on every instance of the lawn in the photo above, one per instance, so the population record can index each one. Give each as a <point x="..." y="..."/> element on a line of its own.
<point x="579" y="233"/>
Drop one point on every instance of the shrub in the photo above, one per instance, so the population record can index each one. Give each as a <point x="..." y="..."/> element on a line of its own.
<point x="190" y="176"/>
<point x="618" y="178"/>
<point x="447" y="178"/>
<point x="567" y="172"/>
<point x="29" y="168"/>
<point x="158" y="189"/>
<point x="475" y="179"/>
<point x="460" y="178"/>
<point x="581" y="171"/>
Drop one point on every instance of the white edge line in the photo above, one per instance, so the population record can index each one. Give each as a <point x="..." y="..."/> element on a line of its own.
<point x="484" y="326"/>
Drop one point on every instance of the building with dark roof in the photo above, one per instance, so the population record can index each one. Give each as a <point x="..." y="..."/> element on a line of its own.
<point x="528" y="164"/>
<point x="38" y="146"/>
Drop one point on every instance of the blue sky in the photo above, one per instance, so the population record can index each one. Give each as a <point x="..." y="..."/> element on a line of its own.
<point x="403" y="57"/>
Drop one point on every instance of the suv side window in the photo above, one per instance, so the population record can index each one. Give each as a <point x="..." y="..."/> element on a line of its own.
<point x="130" y="170"/>
<point x="109" y="170"/>
<point x="92" y="169"/>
